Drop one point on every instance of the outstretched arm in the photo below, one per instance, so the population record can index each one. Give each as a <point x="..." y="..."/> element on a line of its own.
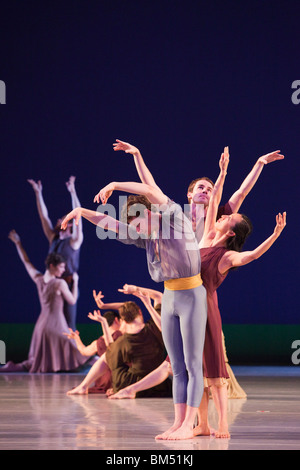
<point x="96" y="316"/>
<point x="96" y="218"/>
<point x="143" y="171"/>
<point x="238" y="197"/>
<point x="154" y="194"/>
<point x="153" y="294"/>
<point x="233" y="259"/>
<point x="77" y="232"/>
<point x="216" y="197"/>
<point x="108" y="306"/>
<point x="89" y="350"/>
<point x="42" y="210"/>
<point x="145" y="298"/>
<point x="32" y="271"/>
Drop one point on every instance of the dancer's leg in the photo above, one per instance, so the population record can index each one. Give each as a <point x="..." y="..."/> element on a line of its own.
<point x="173" y="342"/>
<point x="220" y="398"/>
<point x="156" y="377"/>
<point x="191" y="308"/>
<point x="97" y="369"/>
<point x="203" y="428"/>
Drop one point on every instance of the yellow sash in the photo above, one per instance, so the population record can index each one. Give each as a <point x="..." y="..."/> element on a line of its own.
<point x="184" y="283"/>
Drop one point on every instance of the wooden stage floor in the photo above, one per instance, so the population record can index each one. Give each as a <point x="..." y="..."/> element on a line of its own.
<point x="36" y="414"/>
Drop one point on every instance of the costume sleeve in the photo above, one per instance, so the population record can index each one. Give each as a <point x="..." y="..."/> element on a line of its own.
<point x="128" y="235"/>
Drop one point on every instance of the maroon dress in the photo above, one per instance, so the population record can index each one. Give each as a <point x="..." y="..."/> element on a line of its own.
<point x="213" y="356"/>
<point x="104" y="382"/>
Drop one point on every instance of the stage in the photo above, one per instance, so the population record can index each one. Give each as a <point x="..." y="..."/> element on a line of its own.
<point x="36" y="414"/>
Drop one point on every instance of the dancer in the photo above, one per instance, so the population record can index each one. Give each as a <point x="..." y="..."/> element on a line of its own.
<point x="176" y="262"/>
<point x="50" y="350"/>
<point x="65" y="242"/>
<point x="132" y="356"/>
<point x="111" y="332"/>
<point x="220" y="252"/>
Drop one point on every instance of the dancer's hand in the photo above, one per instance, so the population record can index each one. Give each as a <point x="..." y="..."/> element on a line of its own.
<point x="224" y="160"/>
<point x="72" y="334"/>
<point x="14" y="237"/>
<point x="271" y="157"/>
<point x="36" y="185"/>
<point x="75" y="277"/>
<point x="125" y="146"/>
<point x="144" y="296"/>
<point x="71" y="184"/>
<point x="104" y="194"/>
<point x="280" y="223"/>
<point x="98" y="298"/>
<point x="74" y="214"/>
<point x="128" y="289"/>
<point x="96" y="316"/>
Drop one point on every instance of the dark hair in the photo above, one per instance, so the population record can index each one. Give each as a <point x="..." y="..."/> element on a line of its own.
<point x="139" y="203"/>
<point x="129" y="311"/>
<point x="192" y="184"/>
<point x="110" y="316"/>
<point x="55" y="259"/>
<point x="242" y="231"/>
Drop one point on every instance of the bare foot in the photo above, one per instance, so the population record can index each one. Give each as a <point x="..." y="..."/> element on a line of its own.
<point x="184" y="432"/>
<point x="222" y="433"/>
<point x="202" y="431"/>
<point x="80" y="390"/>
<point x="122" y="394"/>
<point x="165" y="435"/>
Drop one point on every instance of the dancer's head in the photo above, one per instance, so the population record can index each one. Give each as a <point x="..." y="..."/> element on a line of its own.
<point x="199" y="191"/>
<point x="56" y="264"/>
<point x="237" y="228"/>
<point x="129" y="312"/>
<point x="113" y="318"/>
<point x="139" y="212"/>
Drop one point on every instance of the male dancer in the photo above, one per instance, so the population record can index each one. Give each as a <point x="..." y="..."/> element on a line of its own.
<point x="174" y="260"/>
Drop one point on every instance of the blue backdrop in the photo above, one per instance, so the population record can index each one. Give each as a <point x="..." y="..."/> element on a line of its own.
<point x="178" y="79"/>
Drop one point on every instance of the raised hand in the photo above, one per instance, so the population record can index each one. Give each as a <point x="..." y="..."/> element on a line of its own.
<point x="125" y="146"/>
<point x="74" y="214"/>
<point x="271" y="157"/>
<point x="128" y="289"/>
<point x="96" y="316"/>
<point x="14" y="237"/>
<point x="104" y="194"/>
<point x="36" y="185"/>
<point x="98" y="298"/>
<point x="224" y="160"/>
<point x="280" y="223"/>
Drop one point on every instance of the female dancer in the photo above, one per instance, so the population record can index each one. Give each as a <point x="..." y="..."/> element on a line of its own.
<point x="50" y="350"/>
<point x="174" y="260"/>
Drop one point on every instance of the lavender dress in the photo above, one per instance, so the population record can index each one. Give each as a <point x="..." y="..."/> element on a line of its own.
<point x="50" y="350"/>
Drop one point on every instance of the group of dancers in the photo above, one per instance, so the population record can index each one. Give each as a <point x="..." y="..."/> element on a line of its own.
<point x="200" y="249"/>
